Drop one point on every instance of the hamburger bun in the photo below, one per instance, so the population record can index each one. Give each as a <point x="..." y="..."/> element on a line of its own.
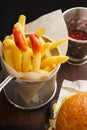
<point x="72" y="114"/>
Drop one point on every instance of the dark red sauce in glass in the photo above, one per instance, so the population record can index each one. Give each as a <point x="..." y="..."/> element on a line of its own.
<point x="78" y="35"/>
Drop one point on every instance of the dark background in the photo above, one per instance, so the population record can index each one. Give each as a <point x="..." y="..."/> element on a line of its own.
<point x="11" y="9"/>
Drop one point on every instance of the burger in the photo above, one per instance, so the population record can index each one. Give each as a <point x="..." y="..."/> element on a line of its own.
<point x="72" y="114"/>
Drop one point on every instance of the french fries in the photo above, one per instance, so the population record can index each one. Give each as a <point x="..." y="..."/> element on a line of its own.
<point x="17" y="58"/>
<point x="38" y="57"/>
<point x="8" y="56"/>
<point x="53" y="60"/>
<point x="12" y="55"/>
<point x="22" y="20"/>
<point x="57" y="43"/>
<point x="45" y="49"/>
<point x="36" y="62"/>
<point x="40" y="31"/>
<point x="26" y="60"/>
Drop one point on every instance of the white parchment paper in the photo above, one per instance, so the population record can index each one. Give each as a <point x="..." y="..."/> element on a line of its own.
<point x="55" y="27"/>
<point x="70" y="87"/>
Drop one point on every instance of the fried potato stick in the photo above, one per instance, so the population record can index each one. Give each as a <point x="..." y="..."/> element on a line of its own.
<point x="57" y="43"/>
<point x="51" y="45"/>
<point x="22" y="20"/>
<point x="12" y="54"/>
<point x="26" y="60"/>
<point x="54" y="60"/>
<point x="44" y="49"/>
<point x="8" y="56"/>
<point x="36" y="62"/>
<point x="40" y="32"/>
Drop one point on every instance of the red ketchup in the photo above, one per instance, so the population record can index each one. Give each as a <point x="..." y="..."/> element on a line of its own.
<point x="78" y="35"/>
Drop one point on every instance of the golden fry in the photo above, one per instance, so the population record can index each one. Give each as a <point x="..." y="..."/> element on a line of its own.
<point x="8" y="56"/>
<point x="22" y="20"/>
<point x="19" y="26"/>
<point x="8" y="50"/>
<point x="40" y="32"/>
<point x="8" y="41"/>
<point x="17" y="58"/>
<point x="10" y="37"/>
<point x="54" y="60"/>
<point x="48" y="53"/>
<point x="57" y="43"/>
<point x="26" y="60"/>
<point x="12" y="54"/>
<point x="48" y="68"/>
<point x="44" y="48"/>
<point x="42" y="41"/>
<point x="36" y="62"/>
